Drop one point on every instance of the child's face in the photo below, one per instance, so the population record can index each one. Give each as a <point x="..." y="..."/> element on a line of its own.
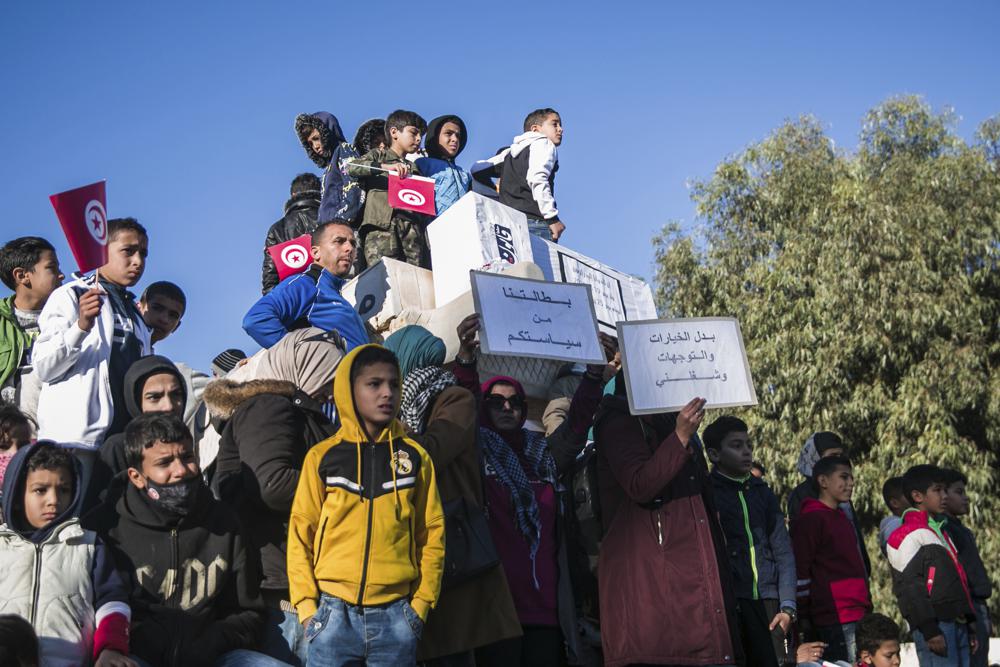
<point x="126" y="258"/>
<point x="933" y="500"/>
<point x="163" y="393"/>
<point x="839" y="484"/>
<point x="833" y="451"/>
<point x="376" y="395"/>
<point x="315" y="140"/>
<point x="405" y="141"/>
<point x="43" y="278"/>
<point x="734" y="457"/>
<point x="450" y="138"/>
<point x="47" y="494"/>
<point x="957" y="499"/>
<point x="887" y="655"/>
<point x="166" y="463"/>
<point x="551" y="127"/>
<point x="162" y="315"/>
<point x="898" y="505"/>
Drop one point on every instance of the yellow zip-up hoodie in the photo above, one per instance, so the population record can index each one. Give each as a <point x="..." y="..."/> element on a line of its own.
<point x="367" y="525"/>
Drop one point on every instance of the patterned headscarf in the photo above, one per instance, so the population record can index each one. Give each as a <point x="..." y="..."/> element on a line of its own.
<point x="420" y="387"/>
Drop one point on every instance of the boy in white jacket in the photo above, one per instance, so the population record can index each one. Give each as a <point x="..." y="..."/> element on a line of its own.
<point x="90" y="333"/>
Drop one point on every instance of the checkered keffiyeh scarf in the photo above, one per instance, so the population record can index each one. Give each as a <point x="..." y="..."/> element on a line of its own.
<point x="420" y="388"/>
<point x="508" y="469"/>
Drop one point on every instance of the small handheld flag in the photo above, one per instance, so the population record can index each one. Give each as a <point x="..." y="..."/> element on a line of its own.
<point x="83" y="216"/>
<point x="415" y="193"/>
<point x="293" y="256"/>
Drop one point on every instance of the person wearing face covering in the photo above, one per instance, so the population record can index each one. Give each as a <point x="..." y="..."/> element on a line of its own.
<point x="266" y="426"/>
<point x="195" y="596"/>
<point x="445" y="139"/>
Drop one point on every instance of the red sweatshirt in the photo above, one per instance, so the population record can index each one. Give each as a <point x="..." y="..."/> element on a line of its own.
<point x="832" y="582"/>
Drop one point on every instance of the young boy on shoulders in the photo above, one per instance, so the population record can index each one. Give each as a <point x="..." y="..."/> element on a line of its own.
<point x="385" y="231"/>
<point x="56" y="574"/>
<point x="90" y="335"/>
<point x="446" y="137"/>
<point x="366" y="535"/>
<point x="980" y="586"/>
<point x="760" y="551"/>
<point x="927" y="577"/>
<point x="895" y="500"/>
<point x="832" y="581"/>
<point x="30" y="268"/>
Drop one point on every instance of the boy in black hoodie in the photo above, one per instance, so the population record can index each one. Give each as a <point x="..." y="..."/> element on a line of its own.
<point x="326" y="146"/>
<point x="195" y="597"/>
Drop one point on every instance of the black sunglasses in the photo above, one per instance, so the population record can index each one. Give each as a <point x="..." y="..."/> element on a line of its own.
<point x="496" y="401"/>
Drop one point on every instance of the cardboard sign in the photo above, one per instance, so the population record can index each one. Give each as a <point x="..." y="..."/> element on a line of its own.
<point x="534" y="318"/>
<point x="414" y="193"/>
<point x="617" y="296"/>
<point x="83" y="215"/>
<point x="669" y="362"/>
<point x="292" y="257"/>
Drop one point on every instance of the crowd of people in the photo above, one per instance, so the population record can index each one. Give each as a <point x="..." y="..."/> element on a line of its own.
<point x="342" y="499"/>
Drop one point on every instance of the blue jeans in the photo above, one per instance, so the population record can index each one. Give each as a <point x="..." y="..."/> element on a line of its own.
<point x="540" y="228"/>
<point x="346" y="635"/>
<point x="238" y="658"/>
<point x="840" y="642"/>
<point x="956" y="638"/>
<point x="984" y="630"/>
<point x="284" y="637"/>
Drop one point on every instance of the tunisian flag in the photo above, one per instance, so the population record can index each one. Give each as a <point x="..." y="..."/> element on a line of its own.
<point x="293" y="256"/>
<point x="84" y="218"/>
<point x="415" y="193"/>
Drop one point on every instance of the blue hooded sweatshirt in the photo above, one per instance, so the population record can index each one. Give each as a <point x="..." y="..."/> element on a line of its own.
<point x="342" y="197"/>
<point x="451" y="182"/>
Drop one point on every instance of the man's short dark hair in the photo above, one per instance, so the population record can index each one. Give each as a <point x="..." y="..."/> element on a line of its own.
<point x="537" y="117"/>
<point x="714" y="433"/>
<point x="827" y="466"/>
<point x="824" y="440"/>
<point x="21" y="253"/>
<point x="892" y="489"/>
<point x="369" y="135"/>
<point x="306" y="182"/>
<point x="11" y="417"/>
<point x="317" y="234"/>
<point x="18" y="642"/>
<point x="50" y="456"/>
<point x="952" y="476"/>
<point x="149" y="428"/>
<point x="166" y="289"/>
<point x="371" y="355"/>
<point x="118" y="225"/>
<point x="399" y="119"/>
<point x="874" y="630"/>
<point x="919" y="478"/>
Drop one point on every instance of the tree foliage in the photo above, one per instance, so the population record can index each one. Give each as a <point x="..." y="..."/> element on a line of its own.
<point x="866" y="285"/>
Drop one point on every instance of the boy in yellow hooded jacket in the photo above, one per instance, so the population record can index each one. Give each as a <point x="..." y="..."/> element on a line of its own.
<point x="366" y="534"/>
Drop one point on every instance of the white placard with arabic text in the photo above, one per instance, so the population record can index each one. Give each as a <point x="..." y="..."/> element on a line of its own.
<point x="533" y="318"/>
<point x="669" y="362"/>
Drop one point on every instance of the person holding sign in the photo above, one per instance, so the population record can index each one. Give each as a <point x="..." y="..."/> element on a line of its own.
<point x="665" y="590"/>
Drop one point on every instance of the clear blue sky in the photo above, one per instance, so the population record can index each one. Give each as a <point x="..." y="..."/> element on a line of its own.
<point x="186" y="108"/>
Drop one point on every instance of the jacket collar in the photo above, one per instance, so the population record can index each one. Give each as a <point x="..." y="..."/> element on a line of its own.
<point x="302" y="200"/>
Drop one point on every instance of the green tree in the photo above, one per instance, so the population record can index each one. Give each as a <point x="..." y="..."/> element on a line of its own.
<point x="866" y="285"/>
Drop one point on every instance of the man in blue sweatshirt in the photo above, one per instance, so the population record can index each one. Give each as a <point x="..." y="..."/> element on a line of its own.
<point x="312" y="298"/>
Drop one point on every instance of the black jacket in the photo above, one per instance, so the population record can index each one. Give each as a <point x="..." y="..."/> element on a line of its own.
<point x="194" y="586"/>
<point x="980" y="586"/>
<point x="301" y="212"/>
<point x="269" y="425"/>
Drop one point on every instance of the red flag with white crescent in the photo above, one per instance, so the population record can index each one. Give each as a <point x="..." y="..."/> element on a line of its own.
<point x="83" y="215"/>
<point x="293" y="256"/>
<point x="414" y="193"/>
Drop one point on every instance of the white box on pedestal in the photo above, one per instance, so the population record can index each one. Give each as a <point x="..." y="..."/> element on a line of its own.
<point x="618" y="297"/>
<point x="474" y="233"/>
<point x="382" y="291"/>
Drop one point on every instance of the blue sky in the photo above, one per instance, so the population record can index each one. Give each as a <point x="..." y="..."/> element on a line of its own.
<point x="186" y="108"/>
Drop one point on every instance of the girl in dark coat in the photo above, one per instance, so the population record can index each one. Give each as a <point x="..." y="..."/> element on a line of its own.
<point x="665" y="598"/>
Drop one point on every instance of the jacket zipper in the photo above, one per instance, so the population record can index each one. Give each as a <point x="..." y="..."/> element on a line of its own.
<point x="319" y="544"/>
<point x="659" y="529"/>
<point x="36" y="588"/>
<point x="753" y="551"/>
<point x="368" y="530"/>
<point x="175" y="658"/>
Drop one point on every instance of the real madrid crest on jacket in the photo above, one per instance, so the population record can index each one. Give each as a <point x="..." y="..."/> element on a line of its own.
<point x="367" y="525"/>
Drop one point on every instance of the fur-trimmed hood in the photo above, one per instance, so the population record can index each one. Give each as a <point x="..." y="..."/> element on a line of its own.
<point x="329" y="130"/>
<point x="224" y="396"/>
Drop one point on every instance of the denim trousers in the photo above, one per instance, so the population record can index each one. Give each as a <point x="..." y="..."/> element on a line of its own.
<point x="284" y="637"/>
<point x="840" y="642"/>
<point x="956" y="638"/>
<point x="539" y="228"/>
<point x="346" y="635"/>
<point x="984" y="630"/>
<point x="237" y="658"/>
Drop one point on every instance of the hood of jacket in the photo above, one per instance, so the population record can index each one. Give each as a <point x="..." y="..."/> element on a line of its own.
<point x="13" y="496"/>
<point x="811" y="505"/>
<point x="343" y="397"/>
<point x="523" y="141"/>
<point x="224" y="396"/>
<point x="432" y="143"/>
<point x="329" y="130"/>
<point x="307" y="199"/>
<point x="138" y="372"/>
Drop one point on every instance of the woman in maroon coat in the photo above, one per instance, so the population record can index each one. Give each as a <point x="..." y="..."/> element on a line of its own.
<point x="665" y="600"/>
